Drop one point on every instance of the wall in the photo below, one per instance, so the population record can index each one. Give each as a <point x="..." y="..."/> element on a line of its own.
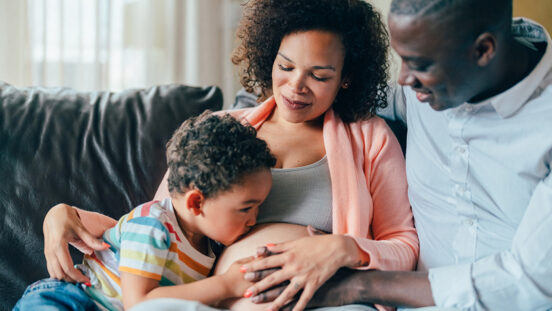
<point x="383" y="7"/>
<point x="538" y="10"/>
<point x="14" y="44"/>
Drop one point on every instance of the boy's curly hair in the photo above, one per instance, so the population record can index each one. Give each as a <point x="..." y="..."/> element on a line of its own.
<point x="212" y="153"/>
<point x="266" y="22"/>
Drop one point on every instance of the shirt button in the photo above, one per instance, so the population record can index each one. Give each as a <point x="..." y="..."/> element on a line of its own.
<point x="468" y="222"/>
<point x="460" y="149"/>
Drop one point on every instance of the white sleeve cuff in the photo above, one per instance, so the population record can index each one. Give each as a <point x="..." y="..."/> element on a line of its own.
<point x="452" y="286"/>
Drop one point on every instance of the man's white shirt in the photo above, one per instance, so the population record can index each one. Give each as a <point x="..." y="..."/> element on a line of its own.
<point x="481" y="191"/>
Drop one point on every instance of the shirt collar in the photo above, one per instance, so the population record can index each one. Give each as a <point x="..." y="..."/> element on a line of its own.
<point x="510" y="101"/>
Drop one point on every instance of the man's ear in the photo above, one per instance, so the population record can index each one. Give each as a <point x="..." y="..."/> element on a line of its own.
<point x="194" y="200"/>
<point x="485" y="48"/>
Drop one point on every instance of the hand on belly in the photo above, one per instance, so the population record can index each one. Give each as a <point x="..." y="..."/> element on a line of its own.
<point x="247" y="246"/>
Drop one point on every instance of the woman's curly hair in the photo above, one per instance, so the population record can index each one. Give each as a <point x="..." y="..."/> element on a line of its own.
<point x="266" y="22"/>
<point x="212" y="153"/>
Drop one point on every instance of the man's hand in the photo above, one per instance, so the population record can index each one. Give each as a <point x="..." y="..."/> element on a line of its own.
<point x="306" y="263"/>
<point x="234" y="280"/>
<point x="345" y="287"/>
<point x="255" y="276"/>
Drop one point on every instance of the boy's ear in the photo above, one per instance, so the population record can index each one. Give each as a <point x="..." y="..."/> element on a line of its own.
<point x="194" y="200"/>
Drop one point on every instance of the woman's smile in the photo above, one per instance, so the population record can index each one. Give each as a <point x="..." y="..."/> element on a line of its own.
<point x="294" y="104"/>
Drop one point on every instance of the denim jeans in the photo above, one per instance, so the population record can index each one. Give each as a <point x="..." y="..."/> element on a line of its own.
<point x="52" y="294"/>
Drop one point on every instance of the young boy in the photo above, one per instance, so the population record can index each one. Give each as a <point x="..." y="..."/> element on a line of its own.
<point x="219" y="174"/>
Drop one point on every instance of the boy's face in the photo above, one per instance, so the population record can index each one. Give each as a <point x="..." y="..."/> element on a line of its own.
<point x="230" y="214"/>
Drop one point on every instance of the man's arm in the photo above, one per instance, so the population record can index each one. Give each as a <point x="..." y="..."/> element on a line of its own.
<point x="347" y="286"/>
<point x="519" y="278"/>
<point x="392" y="288"/>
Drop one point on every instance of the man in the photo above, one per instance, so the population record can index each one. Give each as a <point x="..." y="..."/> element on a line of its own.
<point x="476" y="96"/>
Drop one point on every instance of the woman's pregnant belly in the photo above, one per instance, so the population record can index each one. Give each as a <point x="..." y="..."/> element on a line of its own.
<point x="247" y="246"/>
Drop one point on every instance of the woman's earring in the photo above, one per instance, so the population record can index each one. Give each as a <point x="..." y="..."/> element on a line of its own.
<point x="345" y="85"/>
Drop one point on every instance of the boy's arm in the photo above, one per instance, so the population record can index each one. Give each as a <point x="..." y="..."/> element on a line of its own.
<point x="209" y="291"/>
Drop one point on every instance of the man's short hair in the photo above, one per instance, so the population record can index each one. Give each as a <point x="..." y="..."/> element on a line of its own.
<point x="483" y="14"/>
<point x="212" y="153"/>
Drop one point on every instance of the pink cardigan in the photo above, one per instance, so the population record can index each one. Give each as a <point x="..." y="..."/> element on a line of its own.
<point x="369" y="187"/>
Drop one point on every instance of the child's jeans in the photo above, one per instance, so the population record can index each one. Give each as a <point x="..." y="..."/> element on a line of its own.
<point x="52" y="294"/>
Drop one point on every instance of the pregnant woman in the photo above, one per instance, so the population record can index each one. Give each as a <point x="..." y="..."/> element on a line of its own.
<point x="320" y="67"/>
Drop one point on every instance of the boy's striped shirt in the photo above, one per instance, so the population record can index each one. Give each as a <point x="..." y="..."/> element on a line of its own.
<point x="147" y="242"/>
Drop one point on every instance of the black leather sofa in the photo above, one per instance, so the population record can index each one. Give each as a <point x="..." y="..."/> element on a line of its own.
<point x="100" y="151"/>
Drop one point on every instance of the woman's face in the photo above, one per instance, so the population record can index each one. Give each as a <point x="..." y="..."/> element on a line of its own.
<point x="306" y="74"/>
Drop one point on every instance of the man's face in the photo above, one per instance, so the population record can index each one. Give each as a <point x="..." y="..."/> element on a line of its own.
<point x="434" y="64"/>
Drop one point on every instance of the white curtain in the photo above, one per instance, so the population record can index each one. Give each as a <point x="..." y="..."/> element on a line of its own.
<point x="117" y="44"/>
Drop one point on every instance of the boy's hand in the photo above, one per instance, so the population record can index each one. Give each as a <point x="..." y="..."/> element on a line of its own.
<point x="234" y="279"/>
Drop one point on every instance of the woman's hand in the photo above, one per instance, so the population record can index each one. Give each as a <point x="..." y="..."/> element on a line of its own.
<point x="306" y="263"/>
<point x="62" y="225"/>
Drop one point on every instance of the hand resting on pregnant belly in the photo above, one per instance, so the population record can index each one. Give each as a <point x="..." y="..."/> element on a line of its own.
<point x="247" y="246"/>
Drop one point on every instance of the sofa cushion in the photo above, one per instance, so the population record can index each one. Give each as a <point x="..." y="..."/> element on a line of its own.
<point x="99" y="151"/>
